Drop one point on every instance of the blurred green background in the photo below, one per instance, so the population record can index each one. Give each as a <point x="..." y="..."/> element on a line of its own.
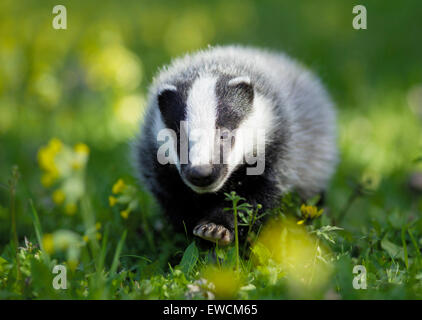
<point x="89" y="83"/>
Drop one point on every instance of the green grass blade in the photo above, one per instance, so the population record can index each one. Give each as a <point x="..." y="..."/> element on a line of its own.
<point x="37" y="224"/>
<point x="415" y="244"/>
<point x="102" y="255"/>
<point x="403" y="240"/>
<point x="117" y="254"/>
<point x="38" y="231"/>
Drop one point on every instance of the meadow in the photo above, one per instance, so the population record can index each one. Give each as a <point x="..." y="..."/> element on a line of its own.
<point x="71" y="101"/>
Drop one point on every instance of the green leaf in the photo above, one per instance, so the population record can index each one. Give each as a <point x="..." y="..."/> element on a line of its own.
<point x="3" y="263"/>
<point x="392" y="249"/>
<point x="244" y="206"/>
<point x="189" y="259"/>
<point x="324" y="232"/>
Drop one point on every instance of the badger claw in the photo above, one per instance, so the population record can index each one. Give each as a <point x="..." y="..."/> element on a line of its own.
<point x="213" y="232"/>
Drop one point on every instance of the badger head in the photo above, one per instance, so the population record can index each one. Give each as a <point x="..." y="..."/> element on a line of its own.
<point x="211" y="126"/>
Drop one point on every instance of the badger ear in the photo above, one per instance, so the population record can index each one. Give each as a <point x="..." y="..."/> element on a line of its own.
<point x="166" y="87"/>
<point x="171" y="105"/>
<point x="238" y="80"/>
<point x="243" y="86"/>
<point x="166" y="96"/>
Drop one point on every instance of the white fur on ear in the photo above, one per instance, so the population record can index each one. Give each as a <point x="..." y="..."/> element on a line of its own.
<point x="166" y="87"/>
<point x="238" y="80"/>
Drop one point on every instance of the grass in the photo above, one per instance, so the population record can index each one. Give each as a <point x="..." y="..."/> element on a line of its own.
<point x="279" y="262"/>
<point x="69" y="105"/>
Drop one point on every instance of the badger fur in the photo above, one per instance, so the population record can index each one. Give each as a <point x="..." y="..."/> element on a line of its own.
<point x="225" y="90"/>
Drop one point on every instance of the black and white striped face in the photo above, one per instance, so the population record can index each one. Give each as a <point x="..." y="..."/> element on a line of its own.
<point x="207" y="125"/>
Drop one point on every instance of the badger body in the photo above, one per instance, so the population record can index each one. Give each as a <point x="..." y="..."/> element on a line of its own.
<point x="226" y="90"/>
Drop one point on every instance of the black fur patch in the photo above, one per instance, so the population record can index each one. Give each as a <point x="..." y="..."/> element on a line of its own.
<point x="234" y="102"/>
<point x="172" y="107"/>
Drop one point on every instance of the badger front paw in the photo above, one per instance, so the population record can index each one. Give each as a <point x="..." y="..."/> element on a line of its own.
<point x="213" y="232"/>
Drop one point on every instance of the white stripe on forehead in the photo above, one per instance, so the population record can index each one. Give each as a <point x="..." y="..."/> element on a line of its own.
<point x="201" y="115"/>
<point x="201" y="103"/>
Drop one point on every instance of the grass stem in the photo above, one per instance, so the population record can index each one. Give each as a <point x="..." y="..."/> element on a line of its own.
<point x="12" y="188"/>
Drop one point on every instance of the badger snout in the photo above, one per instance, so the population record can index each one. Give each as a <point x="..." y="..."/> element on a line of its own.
<point x="200" y="175"/>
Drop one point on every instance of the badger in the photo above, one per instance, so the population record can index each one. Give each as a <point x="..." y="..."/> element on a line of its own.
<point x="233" y="118"/>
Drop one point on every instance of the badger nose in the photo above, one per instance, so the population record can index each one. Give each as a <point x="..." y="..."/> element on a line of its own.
<point x="201" y="175"/>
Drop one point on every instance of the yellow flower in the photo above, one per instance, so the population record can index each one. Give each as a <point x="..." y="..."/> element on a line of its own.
<point x="46" y="160"/>
<point x="309" y="212"/>
<point x="85" y="238"/>
<point x="70" y="208"/>
<point x="48" y="244"/>
<point x="124" y="214"/>
<point x="298" y="253"/>
<point x="119" y="186"/>
<point x="55" y="145"/>
<point x="225" y="282"/>
<point x="58" y="196"/>
<point x="81" y="148"/>
<point x="112" y="201"/>
<point x="98" y="226"/>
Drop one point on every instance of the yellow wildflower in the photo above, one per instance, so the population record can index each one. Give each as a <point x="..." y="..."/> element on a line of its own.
<point x="119" y="186"/>
<point x="48" y="243"/>
<point x="225" y="282"/>
<point x="85" y="238"/>
<point x="81" y="148"/>
<point x="46" y="160"/>
<point x="309" y="212"/>
<point x="124" y="214"/>
<point x="112" y="201"/>
<point x="55" y="145"/>
<point x="98" y="226"/>
<point x="299" y="254"/>
<point x="58" y="196"/>
<point x="70" y="208"/>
